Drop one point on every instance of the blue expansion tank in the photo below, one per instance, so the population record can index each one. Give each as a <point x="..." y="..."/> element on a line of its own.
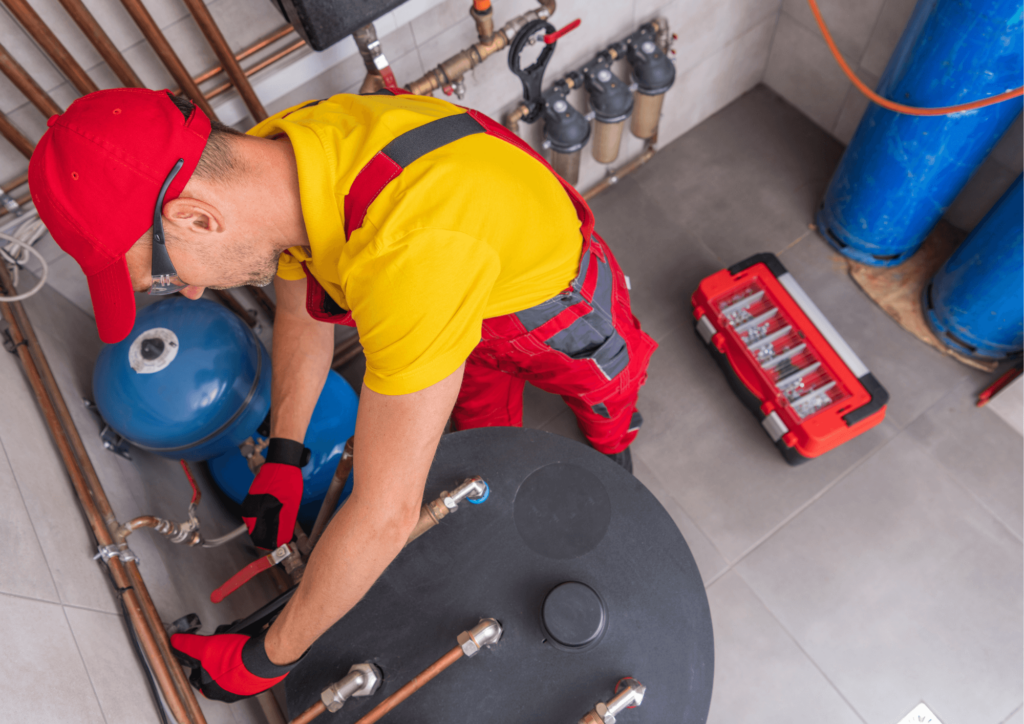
<point x="901" y="172"/>
<point x="975" y="303"/>
<point x="192" y="381"/>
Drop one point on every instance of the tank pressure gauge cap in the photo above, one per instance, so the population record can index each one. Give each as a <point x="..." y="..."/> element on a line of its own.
<point x="153" y="350"/>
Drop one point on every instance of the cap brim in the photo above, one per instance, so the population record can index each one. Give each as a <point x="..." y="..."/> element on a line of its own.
<point x="113" y="301"/>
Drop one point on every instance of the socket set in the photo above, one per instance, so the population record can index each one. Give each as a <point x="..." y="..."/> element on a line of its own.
<point x="784" y="359"/>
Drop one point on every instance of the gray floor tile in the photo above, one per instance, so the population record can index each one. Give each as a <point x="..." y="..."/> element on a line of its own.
<point x="709" y="560"/>
<point x="714" y="457"/>
<point x="1016" y="717"/>
<point x="746" y="180"/>
<point x="540" y="407"/>
<point x="761" y="675"/>
<point x="915" y="375"/>
<point x="42" y="677"/>
<point x="120" y="685"/>
<point x="24" y="571"/>
<point x="564" y="424"/>
<point x="979" y="450"/>
<point x="902" y="589"/>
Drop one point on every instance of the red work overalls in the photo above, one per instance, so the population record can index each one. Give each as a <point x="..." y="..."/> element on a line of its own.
<point x="584" y="344"/>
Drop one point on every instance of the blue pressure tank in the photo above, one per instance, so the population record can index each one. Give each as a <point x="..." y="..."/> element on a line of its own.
<point x="192" y="381"/>
<point x="975" y="303"/>
<point x="901" y="172"/>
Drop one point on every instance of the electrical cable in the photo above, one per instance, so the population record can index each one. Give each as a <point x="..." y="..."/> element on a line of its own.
<point x="19" y="247"/>
<point x="136" y="646"/>
<point x="216" y="542"/>
<point x="899" y="107"/>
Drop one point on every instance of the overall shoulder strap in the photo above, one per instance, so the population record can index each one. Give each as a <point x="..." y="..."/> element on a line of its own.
<point x="388" y="163"/>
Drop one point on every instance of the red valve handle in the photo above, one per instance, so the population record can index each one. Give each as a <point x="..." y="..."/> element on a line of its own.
<point x="552" y="37"/>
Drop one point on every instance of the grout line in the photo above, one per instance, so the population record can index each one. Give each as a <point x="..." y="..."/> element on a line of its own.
<point x="796" y="241"/>
<point x="1012" y="713"/>
<point x="804" y="651"/>
<point x="771" y="48"/>
<point x="85" y="666"/>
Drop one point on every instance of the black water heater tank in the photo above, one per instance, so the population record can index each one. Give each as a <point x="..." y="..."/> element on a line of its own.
<point x="322" y="23"/>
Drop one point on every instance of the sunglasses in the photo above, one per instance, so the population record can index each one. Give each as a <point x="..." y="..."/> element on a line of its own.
<point x="165" y="276"/>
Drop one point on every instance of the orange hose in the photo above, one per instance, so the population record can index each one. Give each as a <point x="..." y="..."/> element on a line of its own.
<point x="899" y="107"/>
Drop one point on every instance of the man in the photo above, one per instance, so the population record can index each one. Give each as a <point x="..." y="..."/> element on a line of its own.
<point x="466" y="264"/>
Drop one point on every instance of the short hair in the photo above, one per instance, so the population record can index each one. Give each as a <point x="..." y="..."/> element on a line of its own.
<point x="218" y="160"/>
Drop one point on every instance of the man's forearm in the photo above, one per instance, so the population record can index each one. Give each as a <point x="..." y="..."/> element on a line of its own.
<point x="301" y="357"/>
<point x="396" y="437"/>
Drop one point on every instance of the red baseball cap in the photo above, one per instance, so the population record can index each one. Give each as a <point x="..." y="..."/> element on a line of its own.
<point x="95" y="176"/>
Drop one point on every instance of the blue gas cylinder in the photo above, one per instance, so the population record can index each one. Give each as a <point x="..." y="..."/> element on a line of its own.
<point x="190" y="381"/>
<point x="901" y="172"/>
<point x="332" y="424"/>
<point x="975" y="303"/>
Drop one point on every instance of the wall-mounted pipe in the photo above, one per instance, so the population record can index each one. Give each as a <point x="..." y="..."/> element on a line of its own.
<point x="165" y="52"/>
<point x="220" y="46"/>
<point x="99" y="39"/>
<point x="15" y="137"/>
<point x="449" y="73"/>
<point x="35" y="27"/>
<point x="27" y="85"/>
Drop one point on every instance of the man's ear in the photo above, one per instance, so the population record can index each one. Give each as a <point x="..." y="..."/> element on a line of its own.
<point x="195" y="216"/>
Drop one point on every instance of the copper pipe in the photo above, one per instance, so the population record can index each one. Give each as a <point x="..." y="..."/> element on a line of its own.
<point x="453" y="69"/>
<point x="395" y="699"/>
<point x="220" y="46"/>
<point x="255" y="47"/>
<point x="625" y="170"/>
<point x="260" y="66"/>
<point x="27" y="85"/>
<point x="338" y="481"/>
<point x="11" y="185"/>
<point x="35" y="27"/>
<point x="166" y="53"/>
<point x="12" y="134"/>
<point x="235" y="306"/>
<point x="412" y="687"/>
<point x="93" y="500"/>
<point x="264" y="300"/>
<point x="99" y="39"/>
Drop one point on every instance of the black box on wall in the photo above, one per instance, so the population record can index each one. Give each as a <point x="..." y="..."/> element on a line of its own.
<point x="322" y="23"/>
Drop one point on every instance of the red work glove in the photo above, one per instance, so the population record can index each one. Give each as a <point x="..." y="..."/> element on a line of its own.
<point x="272" y="505"/>
<point x="228" y="667"/>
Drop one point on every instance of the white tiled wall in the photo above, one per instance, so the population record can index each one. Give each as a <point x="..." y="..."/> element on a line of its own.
<point x="802" y="70"/>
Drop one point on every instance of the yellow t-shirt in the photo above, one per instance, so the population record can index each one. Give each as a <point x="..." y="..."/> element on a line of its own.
<point x="473" y="230"/>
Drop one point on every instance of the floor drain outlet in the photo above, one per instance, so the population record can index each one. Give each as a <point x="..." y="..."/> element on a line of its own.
<point x="920" y="714"/>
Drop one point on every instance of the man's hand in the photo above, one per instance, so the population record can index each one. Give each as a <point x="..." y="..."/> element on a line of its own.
<point x="228" y="667"/>
<point x="272" y="505"/>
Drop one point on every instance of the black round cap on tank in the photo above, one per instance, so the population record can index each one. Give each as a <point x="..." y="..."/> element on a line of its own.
<point x="574" y="615"/>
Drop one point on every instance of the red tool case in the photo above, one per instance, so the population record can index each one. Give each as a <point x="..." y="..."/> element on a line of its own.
<point x="784" y="359"/>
